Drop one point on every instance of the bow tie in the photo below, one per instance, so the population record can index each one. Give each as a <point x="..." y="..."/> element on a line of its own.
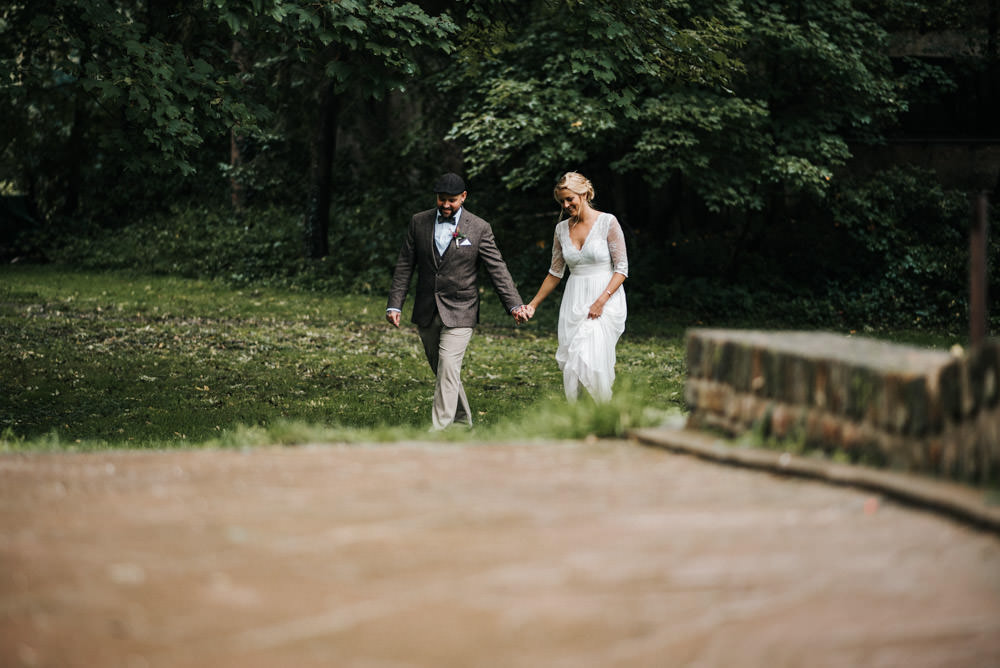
<point x="448" y="221"/>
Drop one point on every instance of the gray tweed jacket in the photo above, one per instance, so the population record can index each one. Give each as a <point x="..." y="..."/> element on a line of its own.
<point x="447" y="284"/>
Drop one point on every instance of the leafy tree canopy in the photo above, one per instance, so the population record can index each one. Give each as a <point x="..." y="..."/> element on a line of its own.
<point x="147" y="89"/>
<point x="129" y="86"/>
<point x="574" y="78"/>
<point x="737" y="95"/>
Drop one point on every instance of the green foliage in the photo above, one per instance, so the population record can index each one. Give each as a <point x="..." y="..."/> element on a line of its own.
<point x="759" y="97"/>
<point x="370" y="46"/>
<point x="101" y="90"/>
<point x="891" y="251"/>
<point x="925" y="16"/>
<point x="195" y="243"/>
<point x="569" y="82"/>
<point x="725" y="126"/>
<point x="910" y="263"/>
<point x="111" y="87"/>
<point x="717" y="141"/>
<point x="95" y="360"/>
<point x="817" y="77"/>
<point x="108" y="360"/>
<point x="258" y="249"/>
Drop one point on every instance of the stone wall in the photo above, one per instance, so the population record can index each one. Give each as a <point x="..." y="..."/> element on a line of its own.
<point x="902" y="407"/>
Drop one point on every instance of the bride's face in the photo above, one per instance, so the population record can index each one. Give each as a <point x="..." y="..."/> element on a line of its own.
<point x="571" y="203"/>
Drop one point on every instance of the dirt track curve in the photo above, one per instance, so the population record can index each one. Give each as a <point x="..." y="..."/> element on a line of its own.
<point x="606" y="554"/>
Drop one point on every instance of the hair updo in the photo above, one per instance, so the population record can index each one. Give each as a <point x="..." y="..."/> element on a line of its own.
<point x="575" y="183"/>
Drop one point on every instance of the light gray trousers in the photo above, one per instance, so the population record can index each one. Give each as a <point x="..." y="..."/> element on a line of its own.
<point x="445" y="350"/>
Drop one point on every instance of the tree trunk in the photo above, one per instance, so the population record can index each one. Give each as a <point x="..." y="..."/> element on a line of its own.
<point x="317" y="218"/>
<point x="992" y="96"/>
<point x="237" y="189"/>
<point x="74" y="158"/>
<point x="74" y="162"/>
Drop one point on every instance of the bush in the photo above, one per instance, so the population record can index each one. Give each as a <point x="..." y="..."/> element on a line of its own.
<point x="261" y="247"/>
<point x="888" y="250"/>
<point x="909" y="265"/>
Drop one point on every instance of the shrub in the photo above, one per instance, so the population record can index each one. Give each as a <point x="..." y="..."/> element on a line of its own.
<point x="261" y="247"/>
<point x="910" y="261"/>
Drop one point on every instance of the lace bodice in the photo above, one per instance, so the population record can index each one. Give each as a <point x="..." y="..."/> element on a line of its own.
<point x="604" y="245"/>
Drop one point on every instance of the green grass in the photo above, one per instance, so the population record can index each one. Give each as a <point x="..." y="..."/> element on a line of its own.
<point x="108" y="360"/>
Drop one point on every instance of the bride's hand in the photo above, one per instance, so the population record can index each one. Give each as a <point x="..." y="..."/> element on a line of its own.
<point x="596" y="309"/>
<point x="529" y="311"/>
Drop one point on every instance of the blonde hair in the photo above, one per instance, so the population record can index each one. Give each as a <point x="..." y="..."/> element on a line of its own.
<point x="575" y="183"/>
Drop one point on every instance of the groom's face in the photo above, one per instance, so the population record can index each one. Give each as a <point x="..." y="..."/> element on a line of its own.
<point x="449" y="204"/>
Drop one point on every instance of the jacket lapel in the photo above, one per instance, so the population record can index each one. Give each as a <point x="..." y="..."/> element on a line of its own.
<point x="432" y="245"/>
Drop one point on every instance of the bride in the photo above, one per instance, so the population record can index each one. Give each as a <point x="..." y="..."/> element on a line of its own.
<point x="592" y="313"/>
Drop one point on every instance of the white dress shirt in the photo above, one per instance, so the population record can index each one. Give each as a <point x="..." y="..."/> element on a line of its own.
<point x="444" y="231"/>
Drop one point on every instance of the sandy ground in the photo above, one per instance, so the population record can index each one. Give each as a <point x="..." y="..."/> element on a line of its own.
<point x="518" y="555"/>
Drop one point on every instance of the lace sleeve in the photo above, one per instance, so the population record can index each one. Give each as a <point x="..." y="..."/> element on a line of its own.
<point x="616" y="245"/>
<point x="558" y="266"/>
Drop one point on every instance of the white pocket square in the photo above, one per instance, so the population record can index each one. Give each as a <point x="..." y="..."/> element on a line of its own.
<point x="465" y="242"/>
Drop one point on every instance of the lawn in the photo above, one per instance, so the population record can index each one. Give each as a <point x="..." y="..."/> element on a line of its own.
<point x="91" y="360"/>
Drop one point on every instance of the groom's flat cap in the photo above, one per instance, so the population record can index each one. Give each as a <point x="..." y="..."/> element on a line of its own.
<point x="449" y="184"/>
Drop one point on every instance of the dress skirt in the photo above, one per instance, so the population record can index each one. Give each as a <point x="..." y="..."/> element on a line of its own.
<point x="586" y="352"/>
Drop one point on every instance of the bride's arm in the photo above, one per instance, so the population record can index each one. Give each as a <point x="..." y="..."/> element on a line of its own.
<point x="616" y="246"/>
<point x="619" y="265"/>
<point x="597" y="308"/>
<point x="616" y="281"/>
<point x="544" y="290"/>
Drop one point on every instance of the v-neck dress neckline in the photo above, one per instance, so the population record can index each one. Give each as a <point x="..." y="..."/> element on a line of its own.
<point x="586" y="238"/>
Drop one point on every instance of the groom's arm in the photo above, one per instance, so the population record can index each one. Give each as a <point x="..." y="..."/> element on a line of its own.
<point x="499" y="275"/>
<point x="405" y="262"/>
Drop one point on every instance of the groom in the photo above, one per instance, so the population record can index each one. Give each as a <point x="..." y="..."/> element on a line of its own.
<point x="446" y="246"/>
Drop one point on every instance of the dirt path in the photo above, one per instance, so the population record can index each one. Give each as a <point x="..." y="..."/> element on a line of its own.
<point x="536" y="555"/>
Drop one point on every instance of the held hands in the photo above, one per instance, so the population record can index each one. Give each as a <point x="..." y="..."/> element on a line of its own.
<point x="522" y="314"/>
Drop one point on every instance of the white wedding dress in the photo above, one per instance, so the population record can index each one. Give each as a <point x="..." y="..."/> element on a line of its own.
<point x="586" y="353"/>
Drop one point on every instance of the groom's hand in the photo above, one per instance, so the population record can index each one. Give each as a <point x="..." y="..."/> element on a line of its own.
<point x="392" y="317"/>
